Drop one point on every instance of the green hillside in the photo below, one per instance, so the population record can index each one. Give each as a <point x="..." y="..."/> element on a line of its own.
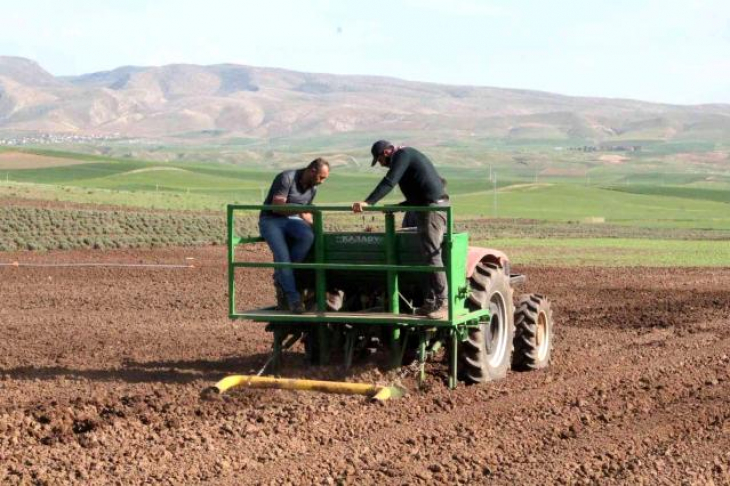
<point x="640" y="213"/>
<point x="678" y="202"/>
<point x="560" y="202"/>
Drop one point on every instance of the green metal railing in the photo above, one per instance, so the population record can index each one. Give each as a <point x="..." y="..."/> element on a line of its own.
<point x="320" y="266"/>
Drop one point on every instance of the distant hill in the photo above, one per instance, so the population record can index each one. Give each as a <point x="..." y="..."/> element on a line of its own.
<point x="236" y="100"/>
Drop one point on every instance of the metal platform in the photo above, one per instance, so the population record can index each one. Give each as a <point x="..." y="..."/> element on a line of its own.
<point x="270" y="314"/>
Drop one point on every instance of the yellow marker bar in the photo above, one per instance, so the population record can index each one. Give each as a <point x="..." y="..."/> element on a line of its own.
<point x="375" y="392"/>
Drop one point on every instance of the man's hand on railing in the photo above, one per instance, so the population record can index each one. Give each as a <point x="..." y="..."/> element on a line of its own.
<point x="358" y="206"/>
<point x="307" y="217"/>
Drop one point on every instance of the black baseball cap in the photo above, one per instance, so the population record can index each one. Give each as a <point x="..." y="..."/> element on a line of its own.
<point x="378" y="149"/>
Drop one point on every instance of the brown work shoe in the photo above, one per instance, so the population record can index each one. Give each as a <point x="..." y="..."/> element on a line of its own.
<point x="309" y="299"/>
<point x="434" y="310"/>
<point x="440" y="314"/>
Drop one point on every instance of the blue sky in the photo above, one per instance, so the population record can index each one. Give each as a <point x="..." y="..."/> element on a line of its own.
<point x="674" y="51"/>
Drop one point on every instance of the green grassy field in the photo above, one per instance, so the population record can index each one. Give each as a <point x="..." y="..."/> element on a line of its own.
<point x="614" y="252"/>
<point x="637" y="213"/>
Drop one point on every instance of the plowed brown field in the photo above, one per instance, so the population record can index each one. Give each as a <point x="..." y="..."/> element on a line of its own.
<point x="101" y="368"/>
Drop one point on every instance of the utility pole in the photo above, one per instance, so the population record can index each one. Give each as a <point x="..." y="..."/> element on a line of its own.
<point x="490" y="172"/>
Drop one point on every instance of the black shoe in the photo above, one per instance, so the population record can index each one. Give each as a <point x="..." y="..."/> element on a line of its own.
<point x="296" y="307"/>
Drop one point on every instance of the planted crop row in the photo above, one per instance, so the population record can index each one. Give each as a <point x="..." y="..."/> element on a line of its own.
<point x="28" y="228"/>
<point x="23" y="228"/>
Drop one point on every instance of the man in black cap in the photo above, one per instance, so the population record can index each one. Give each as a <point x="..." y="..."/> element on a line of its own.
<point x="421" y="185"/>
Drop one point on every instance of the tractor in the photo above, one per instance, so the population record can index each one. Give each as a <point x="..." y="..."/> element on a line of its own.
<point x="377" y="278"/>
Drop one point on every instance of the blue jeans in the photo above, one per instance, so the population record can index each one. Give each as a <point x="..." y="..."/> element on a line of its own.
<point x="290" y="239"/>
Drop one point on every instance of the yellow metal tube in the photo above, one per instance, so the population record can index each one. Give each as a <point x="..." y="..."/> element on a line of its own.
<point x="375" y="392"/>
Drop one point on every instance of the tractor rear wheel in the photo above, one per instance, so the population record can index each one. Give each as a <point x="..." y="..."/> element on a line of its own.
<point x="533" y="334"/>
<point x="487" y="352"/>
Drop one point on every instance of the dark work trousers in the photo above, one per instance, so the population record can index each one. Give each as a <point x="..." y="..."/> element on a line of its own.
<point x="431" y="227"/>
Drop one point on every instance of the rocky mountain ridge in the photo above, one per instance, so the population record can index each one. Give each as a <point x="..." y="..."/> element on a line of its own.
<point x="238" y="100"/>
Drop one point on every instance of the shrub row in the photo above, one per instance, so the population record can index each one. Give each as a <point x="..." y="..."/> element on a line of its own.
<point x="23" y="228"/>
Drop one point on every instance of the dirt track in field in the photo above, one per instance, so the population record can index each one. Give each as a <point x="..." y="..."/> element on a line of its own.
<point x="23" y="160"/>
<point x="100" y="371"/>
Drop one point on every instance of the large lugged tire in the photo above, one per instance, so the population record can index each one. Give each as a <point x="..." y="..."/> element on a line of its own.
<point x="533" y="333"/>
<point x="486" y="355"/>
